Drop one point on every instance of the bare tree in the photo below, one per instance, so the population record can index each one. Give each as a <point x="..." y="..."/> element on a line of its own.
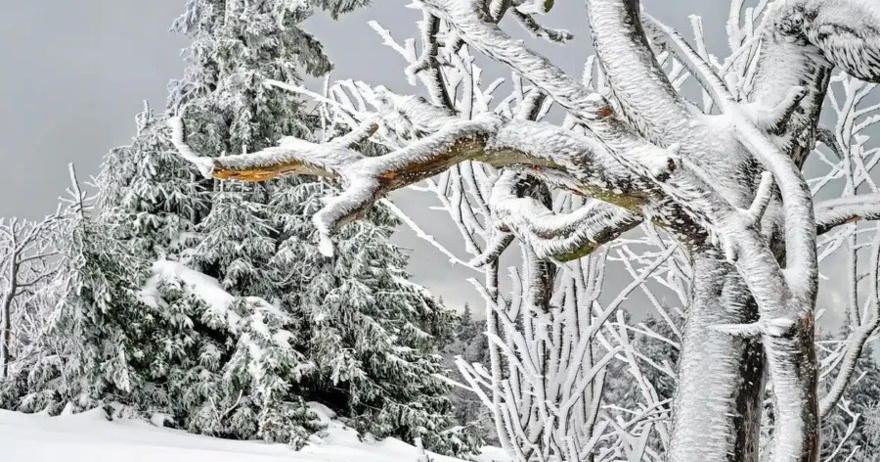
<point x="545" y="383"/>
<point x="29" y="260"/>
<point x="723" y="177"/>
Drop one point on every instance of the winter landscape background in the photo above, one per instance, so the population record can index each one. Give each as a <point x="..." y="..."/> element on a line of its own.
<point x="84" y="44"/>
<point x="484" y="230"/>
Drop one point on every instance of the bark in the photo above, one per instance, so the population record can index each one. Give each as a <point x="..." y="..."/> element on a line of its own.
<point x="5" y="327"/>
<point x="5" y="319"/>
<point x="724" y="371"/>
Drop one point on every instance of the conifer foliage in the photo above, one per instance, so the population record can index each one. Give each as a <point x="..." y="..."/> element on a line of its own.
<point x="208" y="306"/>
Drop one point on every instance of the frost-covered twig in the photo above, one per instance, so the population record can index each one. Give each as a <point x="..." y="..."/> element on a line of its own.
<point x="855" y="343"/>
<point x="531" y="24"/>
<point x="560" y="237"/>
<point x="836" y="212"/>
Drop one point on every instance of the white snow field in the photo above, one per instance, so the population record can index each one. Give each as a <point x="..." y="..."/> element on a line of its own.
<point x="90" y="437"/>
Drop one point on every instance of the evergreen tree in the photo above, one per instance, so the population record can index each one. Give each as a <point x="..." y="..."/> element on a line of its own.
<point x="208" y="305"/>
<point x="147" y="197"/>
<point x="468" y="327"/>
<point x="370" y="333"/>
<point x="91" y="350"/>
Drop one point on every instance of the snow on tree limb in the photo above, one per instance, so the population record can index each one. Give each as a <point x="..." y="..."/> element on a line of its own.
<point x="427" y="66"/>
<point x="763" y="196"/>
<point x="494" y="249"/>
<point x="845" y="31"/>
<point x="773" y="327"/>
<point x="836" y="212"/>
<point x="560" y="237"/>
<point x="560" y="155"/>
<point x="644" y="91"/>
<point x="531" y="24"/>
<point x="205" y="166"/>
<point x="425" y="236"/>
<point x="469" y="20"/>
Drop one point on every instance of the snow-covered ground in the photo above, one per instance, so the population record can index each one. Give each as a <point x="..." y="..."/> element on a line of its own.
<point x="90" y="437"/>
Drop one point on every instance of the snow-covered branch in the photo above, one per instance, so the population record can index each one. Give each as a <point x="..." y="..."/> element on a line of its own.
<point x="846" y="33"/>
<point x="561" y="237"/>
<point x="480" y="32"/>
<point x="28" y="251"/>
<point x="643" y="90"/>
<point x="836" y="212"/>
<point x="560" y="156"/>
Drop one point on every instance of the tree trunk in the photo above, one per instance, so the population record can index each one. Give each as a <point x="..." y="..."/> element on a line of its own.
<point x="796" y="403"/>
<point x="5" y="326"/>
<point x="717" y="404"/>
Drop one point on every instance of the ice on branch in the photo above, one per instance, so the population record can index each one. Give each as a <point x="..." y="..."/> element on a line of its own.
<point x="773" y="327"/>
<point x="835" y="212"/>
<point x="560" y="237"/>
<point x="560" y="156"/>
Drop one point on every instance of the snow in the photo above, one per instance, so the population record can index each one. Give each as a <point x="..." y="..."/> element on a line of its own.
<point x="203" y="286"/>
<point x="90" y="437"/>
<point x="777" y="94"/>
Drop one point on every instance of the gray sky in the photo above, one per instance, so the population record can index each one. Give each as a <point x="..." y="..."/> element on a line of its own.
<point x="75" y="74"/>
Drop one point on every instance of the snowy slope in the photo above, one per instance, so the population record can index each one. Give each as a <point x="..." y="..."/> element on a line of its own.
<point x="90" y="437"/>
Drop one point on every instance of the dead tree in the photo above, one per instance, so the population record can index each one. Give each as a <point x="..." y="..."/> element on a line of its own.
<point x="725" y="178"/>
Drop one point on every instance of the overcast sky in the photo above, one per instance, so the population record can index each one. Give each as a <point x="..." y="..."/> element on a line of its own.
<point x="75" y="73"/>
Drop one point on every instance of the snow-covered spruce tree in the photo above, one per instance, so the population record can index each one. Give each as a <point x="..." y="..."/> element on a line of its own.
<point x="368" y="332"/>
<point x="146" y="197"/>
<point x="723" y="177"/>
<point x="136" y="327"/>
<point x="227" y="365"/>
<point x="87" y="350"/>
<point x="371" y="334"/>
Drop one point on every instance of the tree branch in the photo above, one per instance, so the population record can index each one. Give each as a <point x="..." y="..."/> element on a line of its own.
<point x="562" y="237"/>
<point x="645" y="94"/>
<point x="846" y="32"/>
<point x="480" y="32"/>
<point x="836" y="212"/>
<point x="428" y="64"/>
<point x="857" y="341"/>
<point x="531" y="24"/>
<point x="551" y="153"/>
